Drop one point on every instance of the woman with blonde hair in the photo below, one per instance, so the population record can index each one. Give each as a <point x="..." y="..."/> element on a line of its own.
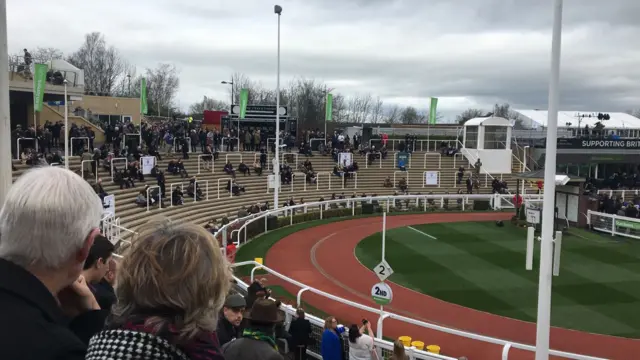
<point x="331" y="345"/>
<point x="398" y="351"/>
<point x="172" y="283"/>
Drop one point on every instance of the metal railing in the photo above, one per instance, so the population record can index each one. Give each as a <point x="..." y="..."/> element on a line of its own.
<point x="230" y="187"/>
<point x="18" y="146"/>
<point x="152" y="187"/>
<point x="200" y="159"/>
<point x="126" y="165"/>
<point x="195" y="189"/>
<point x="432" y="154"/>
<point x="92" y="169"/>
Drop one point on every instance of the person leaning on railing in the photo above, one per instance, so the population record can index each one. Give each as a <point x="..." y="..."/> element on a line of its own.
<point x="46" y="306"/>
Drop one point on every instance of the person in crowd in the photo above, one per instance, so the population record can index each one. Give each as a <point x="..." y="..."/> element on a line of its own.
<point x="228" y="169"/>
<point x="257" y="290"/>
<point x="257" y="168"/>
<point x="106" y="287"/>
<point x="97" y="187"/>
<point x="244" y="169"/>
<point x="387" y="182"/>
<point x="360" y="344"/>
<point x="402" y="184"/>
<point x="300" y="330"/>
<point x="171" y="287"/>
<point x="398" y="351"/>
<point x="231" y="318"/>
<point x="47" y="309"/>
<point x="258" y="339"/>
<point x="96" y="267"/>
<point x="177" y="196"/>
<point x="331" y="344"/>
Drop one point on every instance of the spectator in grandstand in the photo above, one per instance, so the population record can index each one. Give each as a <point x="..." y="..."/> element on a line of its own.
<point x="257" y="168"/>
<point x="255" y="291"/>
<point x="228" y="169"/>
<point x="331" y="344"/>
<point x="402" y="185"/>
<point x="171" y="287"/>
<point x="258" y="339"/>
<point x="230" y="318"/>
<point x="177" y="196"/>
<point x="300" y="331"/>
<point x="244" y="169"/>
<point x="96" y="267"/>
<point x="47" y="307"/>
<point x="360" y="344"/>
<point x="105" y="288"/>
<point x="97" y="187"/>
<point x="398" y="351"/>
<point x="387" y="182"/>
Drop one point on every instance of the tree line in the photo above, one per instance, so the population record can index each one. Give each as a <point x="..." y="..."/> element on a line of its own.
<point x="108" y="73"/>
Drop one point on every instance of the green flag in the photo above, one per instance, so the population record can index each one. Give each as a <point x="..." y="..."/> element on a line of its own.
<point x="329" y="107"/>
<point x="244" y="98"/>
<point x="433" y="111"/>
<point x="143" y="96"/>
<point x="39" y="82"/>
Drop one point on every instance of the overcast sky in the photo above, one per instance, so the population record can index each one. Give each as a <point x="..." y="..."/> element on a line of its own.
<point x="469" y="53"/>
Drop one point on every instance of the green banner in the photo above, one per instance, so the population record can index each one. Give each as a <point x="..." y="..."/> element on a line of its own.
<point x="39" y="82"/>
<point x="626" y="224"/>
<point x="433" y="111"/>
<point x="329" y="107"/>
<point x="143" y="96"/>
<point x="244" y="99"/>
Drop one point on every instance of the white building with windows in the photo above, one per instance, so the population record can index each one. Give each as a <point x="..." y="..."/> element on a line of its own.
<point x="573" y="123"/>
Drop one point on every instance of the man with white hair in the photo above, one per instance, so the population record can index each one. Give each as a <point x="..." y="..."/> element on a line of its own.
<point x="48" y="222"/>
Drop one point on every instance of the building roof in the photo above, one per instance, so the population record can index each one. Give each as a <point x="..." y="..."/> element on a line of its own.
<point x="488" y="121"/>
<point x="535" y="119"/>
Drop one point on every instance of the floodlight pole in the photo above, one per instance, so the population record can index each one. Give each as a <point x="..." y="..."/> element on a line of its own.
<point x="5" y="120"/>
<point x="276" y="166"/>
<point x="546" y="251"/>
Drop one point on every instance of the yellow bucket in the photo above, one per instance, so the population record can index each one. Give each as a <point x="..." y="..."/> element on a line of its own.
<point x="405" y="340"/>
<point x="259" y="261"/>
<point x="418" y="345"/>
<point x="434" y="349"/>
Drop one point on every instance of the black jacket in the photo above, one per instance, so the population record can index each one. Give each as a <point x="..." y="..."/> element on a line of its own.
<point x="32" y="325"/>
<point x="105" y="295"/>
<point x="226" y="331"/>
<point x="300" y="330"/>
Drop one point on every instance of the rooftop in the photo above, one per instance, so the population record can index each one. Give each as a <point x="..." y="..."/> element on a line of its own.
<point x="536" y="119"/>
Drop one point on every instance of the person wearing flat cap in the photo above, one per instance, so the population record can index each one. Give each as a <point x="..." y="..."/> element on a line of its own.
<point x="231" y="318"/>
<point x="258" y="341"/>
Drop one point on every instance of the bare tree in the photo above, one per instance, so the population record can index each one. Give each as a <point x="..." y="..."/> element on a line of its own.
<point x="102" y="64"/>
<point x="207" y="104"/>
<point x="409" y="116"/>
<point x="468" y="115"/>
<point x="392" y="115"/>
<point x="377" y="111"/>
<point x="42" y="55"/>
<point x="163" y="84"/>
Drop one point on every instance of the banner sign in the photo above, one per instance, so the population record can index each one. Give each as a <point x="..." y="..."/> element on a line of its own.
<point x="626" y="224"/>
<point x="433" y="111"/>
<point x="329" y="107"/>
<point x="403" y="159"/>
<point x="268" y="111"/>
<point x="431" y="177"/>
<point x="143" y="96"/>
<point x="109" y="204"/>
<point x="147" y="163"/>
<point x="244" y="98"/>
<point x="39" y="82"/>
<point x="598" y="144"/>
<point x="345" y="159"/>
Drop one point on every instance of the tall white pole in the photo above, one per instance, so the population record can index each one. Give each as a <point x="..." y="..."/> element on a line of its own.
<point x="5" y="121"/>
<point x="66" y="128"/>
<point x="384" y="234"/>
<point x="546" y="251"/>
<point x="276" y="166"/>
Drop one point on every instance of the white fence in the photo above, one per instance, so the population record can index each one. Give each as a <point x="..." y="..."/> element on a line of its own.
<point x="615" y="225"/>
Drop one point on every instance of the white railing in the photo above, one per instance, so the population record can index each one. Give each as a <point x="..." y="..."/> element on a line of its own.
<point x="112" y="229"/>
<point x="382" y="315"/>
<point x="75" y="139"/>
<point x="395" y="160"/>
<point x="454" y="159"/>
<point x="620" y="193"/>
<point x="615" y="225"/>
<point x="89" y="162"/>
<point x="226" y="157"/>
<point x="171" y="191"/>
<point x="280" y="141"/>
<point x="424" y="179"/>
<point x="315" y="139"/>
<point x="256" y="159"/>
<point x="230" y="187"/>
<point x="126" y="165"/>
<point x="195" y="189"/>
<point x="18" y="146"/>
<point x="123" y="143"/>
<point x="200" y="159"/>
<point x="317" y="325"/>
<point x="367" y="160"/>
<point x="295" y="155"/>
<point x="149" y="197"/>
<point x="318" y="179"/>
<point x="302" y="176"/>
<point x="433" y="154"/>
<point x="406" y="176"/>
<point x="355" y="177"/>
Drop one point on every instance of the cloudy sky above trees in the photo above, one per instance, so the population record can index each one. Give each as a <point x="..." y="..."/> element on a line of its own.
<point x="469" y="53"/>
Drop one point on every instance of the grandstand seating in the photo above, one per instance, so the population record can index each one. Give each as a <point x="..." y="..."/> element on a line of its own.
<point x="369" y="180"/>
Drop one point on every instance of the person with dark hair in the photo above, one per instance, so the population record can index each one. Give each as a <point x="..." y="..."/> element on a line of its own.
<point x="258" y="340"/>
<point x="231" y="318"/>
<point x="96" y="268"/>
<point x="300" y="330"/>
<point x="361" y="344"/>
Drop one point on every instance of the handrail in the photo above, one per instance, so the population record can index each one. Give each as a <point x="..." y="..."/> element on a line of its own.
<point x="18" y="146"/>
<point x="213" y="164"/>
<point x="171" y="191"/>
<point x="82" y="167"/>
<point x="420" y="323"/>
<point x="230" y="187"/>
<point x="304" y="179"/>
<point x="318" y="179"/>
<point x="401" y="172"/>
<point x="366" y="163"/>
<point x="126" y="164"/>
<point x="432" y="154"/>
<point x="159" y="196"/>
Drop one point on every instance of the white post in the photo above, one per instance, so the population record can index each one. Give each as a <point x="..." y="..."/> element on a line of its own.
<point x="384" y="234"/>
<point x="546" y="251"/>
<point x="5" y="121"/>
<point x="276" y="171"/>
<point x="66" y="128"/>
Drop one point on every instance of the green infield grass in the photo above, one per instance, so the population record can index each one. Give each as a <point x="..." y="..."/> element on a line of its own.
<point x="482" y="266"/>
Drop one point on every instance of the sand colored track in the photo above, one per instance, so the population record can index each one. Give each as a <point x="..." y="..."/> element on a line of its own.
<point x="323" y="257"/>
